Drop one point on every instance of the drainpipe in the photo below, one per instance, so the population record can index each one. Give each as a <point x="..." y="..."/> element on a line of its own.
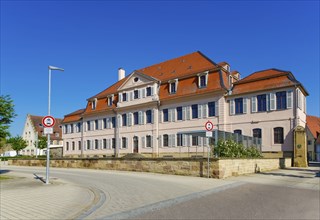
<point x="82" y="142"/>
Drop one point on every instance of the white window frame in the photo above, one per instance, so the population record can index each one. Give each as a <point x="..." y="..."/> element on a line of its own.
<point x="199" y="79"/>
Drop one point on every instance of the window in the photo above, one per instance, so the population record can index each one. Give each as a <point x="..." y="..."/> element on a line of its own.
<point x="96" y="122"/>
<point x="124" y="120"/>
<point x="88" y="126"/>
<point x="96" y="144"/>
<point x="149" y="116"/>
<point x="113" y="143"/>
<point x="88" y="144"/>
<point x="110" y="99"/>
<point x="73" y="145"/>
<point x="179" y="113"/>
<point x="165" y="140"/>
<point x="173" y="88"/>
<point x="195" y="141"/>
<point x="179" y="139"/>
<point x="94" y="104"/>
<point x="256" y="133"/>
<point x="104" y="123"/>
<point x="238" y="131"/>
<point x="78" y="127"/>
<point x="104" y="143"/>
<point x="148" y="91"/>
<point x="113" y="121"/>
<point x="136" y="94"/>
<point x="194" y="111"/>
<point x="281" y="100"/>
<point x="124" y="142"/>
<point x="165" y="115"/>
<point x="238" y="105"/>
<point x="79" y="145"/>
<point x="71" y="128"/>
<point x="57" y="134"/>
<point x="136" y="79"/>
<point x="278" y="135"/>
<point x="148" y="141"/>
<point x="136" y="118"/>
<point x="262" y="103"/>
<point x="124" y="97"/>
<point x="202" y="80"/>
<point x="211" y="106"/>
<point x="67" y="146"/>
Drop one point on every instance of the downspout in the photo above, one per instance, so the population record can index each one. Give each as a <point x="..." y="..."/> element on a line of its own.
<point x="82" y="141"/>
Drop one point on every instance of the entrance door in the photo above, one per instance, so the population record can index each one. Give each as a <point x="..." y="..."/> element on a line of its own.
<point x="135" y="144"/>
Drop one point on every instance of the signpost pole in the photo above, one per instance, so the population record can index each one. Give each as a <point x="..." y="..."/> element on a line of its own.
<point x="48" y="135"/>
<point x="209" y="127"/>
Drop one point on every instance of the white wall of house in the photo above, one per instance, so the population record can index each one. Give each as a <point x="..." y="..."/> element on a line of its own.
<point x="29" y="134"/>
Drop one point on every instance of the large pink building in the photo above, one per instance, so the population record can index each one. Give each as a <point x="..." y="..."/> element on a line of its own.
<point x="147" y="110"/>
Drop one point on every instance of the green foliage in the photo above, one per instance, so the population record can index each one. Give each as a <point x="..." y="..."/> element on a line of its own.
<point x="231" y="149"/>
<point x="42" y="142"/>
<point x="17" y="143"/>
<point x="6" y="115"/>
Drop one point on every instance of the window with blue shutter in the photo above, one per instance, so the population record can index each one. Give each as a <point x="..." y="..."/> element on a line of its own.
<point x="238" y="105"/>
<point x="212" y="108"/>
<point x="148" y="116"/>
<point x="179" y="113"/>
<point x="165" y="115"/>
<point x="194" y="111"/>
<point x="281" y="100"/>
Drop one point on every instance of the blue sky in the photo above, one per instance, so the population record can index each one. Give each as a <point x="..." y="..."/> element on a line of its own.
<point x="92" y="39"/>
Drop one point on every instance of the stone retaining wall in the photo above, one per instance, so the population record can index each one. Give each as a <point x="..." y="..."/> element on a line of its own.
<point x="221" y="168"/>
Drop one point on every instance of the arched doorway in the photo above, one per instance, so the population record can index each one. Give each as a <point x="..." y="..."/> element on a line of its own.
<point x="135" y="144"/>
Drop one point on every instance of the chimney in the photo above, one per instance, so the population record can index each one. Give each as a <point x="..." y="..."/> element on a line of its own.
<point x="121" y="74"/>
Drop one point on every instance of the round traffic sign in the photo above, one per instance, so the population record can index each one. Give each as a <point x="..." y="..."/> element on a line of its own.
<point x="209" y="126"/>
<point x="48" y="121"/>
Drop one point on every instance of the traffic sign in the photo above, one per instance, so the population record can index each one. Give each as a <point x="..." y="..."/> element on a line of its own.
<point x="48" y="130"/>
<point x="209" y="126"/>
<point x="48" y="121"/>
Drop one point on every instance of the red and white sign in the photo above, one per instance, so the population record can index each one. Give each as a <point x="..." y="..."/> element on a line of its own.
<point x="209" y="126"/>
<point x="48" y="121"/>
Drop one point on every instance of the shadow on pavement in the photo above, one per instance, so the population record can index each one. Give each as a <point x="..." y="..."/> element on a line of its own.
<point x="4" y="171"/>
<point x="286" y="175"/>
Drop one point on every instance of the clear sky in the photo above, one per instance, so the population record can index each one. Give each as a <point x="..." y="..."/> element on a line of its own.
<point x="92" y="39"/>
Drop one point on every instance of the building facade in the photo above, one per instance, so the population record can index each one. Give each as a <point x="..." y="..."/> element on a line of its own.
<point x="313" y="138"/>
<point x="33" y="129"/>
<point x="146" y="111"/>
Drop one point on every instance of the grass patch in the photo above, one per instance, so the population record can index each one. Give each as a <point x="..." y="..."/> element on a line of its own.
<point x="5" y="177"/>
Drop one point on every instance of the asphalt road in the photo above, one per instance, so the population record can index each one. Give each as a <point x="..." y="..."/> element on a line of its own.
<point x="283" y="194"/>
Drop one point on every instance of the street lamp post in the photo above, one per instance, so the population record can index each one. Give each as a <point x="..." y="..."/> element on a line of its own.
<point x="48" y="135"/>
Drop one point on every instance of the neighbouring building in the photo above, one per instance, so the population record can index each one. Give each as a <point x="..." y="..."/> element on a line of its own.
<point x="313" y="137"/>
<point x="33" y="129"/>
<point x="146" y="111"/>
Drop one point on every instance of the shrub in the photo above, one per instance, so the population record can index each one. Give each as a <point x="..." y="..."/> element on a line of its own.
<point x="231" y="149"/>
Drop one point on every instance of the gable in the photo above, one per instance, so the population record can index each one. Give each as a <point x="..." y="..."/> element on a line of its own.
<point x="137" y="79"/>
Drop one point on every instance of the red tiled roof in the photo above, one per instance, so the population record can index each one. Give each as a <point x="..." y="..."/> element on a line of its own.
<point x="74" y="116"/>
<point x="179" y="67"/>
<point x="313" y="124"/>
<point x="37" y="123"/>
<point x="265" y="80"/>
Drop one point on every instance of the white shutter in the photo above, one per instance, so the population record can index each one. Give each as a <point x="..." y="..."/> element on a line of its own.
<point x="199" y="111"/>
<point x="184" y="140"/>
<point x="129" y="119"/>
<point x="108" y="123"/>
<point x="143" y="140"/>
<point x="170" y="140"/>
<point x="100" y="144"/>
<point x="205" y="110"/>
<point x="169" y="115"/>
<point x="139" y="93"/>
<point x="244" y="105"/>
<point x="200" y="141"/>
<point x="173" y="114"/>
<point x="140" y="117"/>
<point x="152" y="141"/>
<point x="160" y="140"/>
<point x="152" y="116"/>
<point x="184" y="113"/>
<point x="92" y="145"/>
<point x="231" y="104"/>
<point x="108" y="144"/>
<point x="205" y="141"/>
<point x="188" y="140"/>
<point x="254" y="104"/>
<point x="289" y="99"/>
<point x="85" y="145"/>
<point x="152" y="90"/>
<point x="120" y="97"/>
<point x="173" y="140"/>
<point x="188" y="112"/>
<point x="216" y="110"/>
<point x="131" y="96"/>
<point x="119" y="121"/>
<point x="143" y="93"/>
<point x="160" y="116"/>
<point x="272" y="101"/>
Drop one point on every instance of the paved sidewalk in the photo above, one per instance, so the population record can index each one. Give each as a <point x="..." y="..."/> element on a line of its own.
<point x="24" y="197"/>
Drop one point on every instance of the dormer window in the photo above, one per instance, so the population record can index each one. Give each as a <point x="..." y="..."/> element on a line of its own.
<point x="203" y="80"/>
<point x="110" y="100"/>
<point x="173" y="86"/>
<point x="94" y="104"/>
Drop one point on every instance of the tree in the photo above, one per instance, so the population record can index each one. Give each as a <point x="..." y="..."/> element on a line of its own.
<point x="42" y="142"/>
<point x="17" y="143"/>
<point x="6" y="115"/>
